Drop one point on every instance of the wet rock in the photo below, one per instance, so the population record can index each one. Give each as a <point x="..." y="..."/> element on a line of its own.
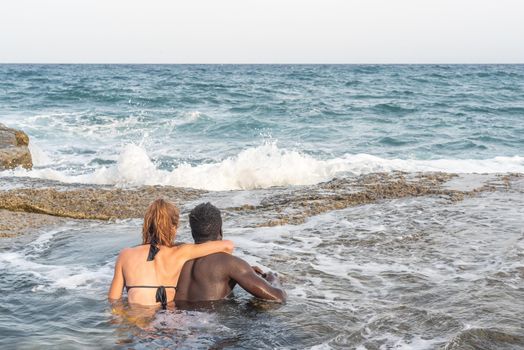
<point x="16" y="223"/>
<point x="297" y="205"/>
<point x="92" y="203"/>
<point x="14" y="150"/>
<point x="293" y="205"/>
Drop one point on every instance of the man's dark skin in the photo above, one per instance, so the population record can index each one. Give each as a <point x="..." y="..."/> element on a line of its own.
<point x="213" y="277"/>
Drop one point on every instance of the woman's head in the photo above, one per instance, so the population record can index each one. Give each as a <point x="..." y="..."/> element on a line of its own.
<point x="160" y="223"/>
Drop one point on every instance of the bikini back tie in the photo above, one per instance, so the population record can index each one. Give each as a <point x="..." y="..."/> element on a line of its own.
<point x="161" y="295"/>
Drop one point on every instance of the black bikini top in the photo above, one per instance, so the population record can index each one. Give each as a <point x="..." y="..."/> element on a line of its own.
<point x="161" y="296"/>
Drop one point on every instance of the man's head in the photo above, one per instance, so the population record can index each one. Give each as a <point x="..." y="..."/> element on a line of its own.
<point x="206" y="223"/>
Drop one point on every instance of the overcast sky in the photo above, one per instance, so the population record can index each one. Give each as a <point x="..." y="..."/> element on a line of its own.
<point x="262" y="31"/>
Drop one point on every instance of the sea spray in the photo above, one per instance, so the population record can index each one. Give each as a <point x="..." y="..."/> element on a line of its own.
<point x="261" y="167"/>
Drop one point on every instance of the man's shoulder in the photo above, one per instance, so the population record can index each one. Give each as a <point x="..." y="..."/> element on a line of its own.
<point x="224" y="259"/>
<point x="216" y="257"/>
<point x="213" y="267"/>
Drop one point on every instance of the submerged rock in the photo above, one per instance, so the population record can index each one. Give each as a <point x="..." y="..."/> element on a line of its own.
<point x="14" y="150"/>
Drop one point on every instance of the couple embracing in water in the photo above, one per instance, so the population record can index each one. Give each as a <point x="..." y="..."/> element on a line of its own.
<point x="160" y="271"/>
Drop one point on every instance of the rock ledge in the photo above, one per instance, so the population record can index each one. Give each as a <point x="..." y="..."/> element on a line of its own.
<point x="14" y="150"/>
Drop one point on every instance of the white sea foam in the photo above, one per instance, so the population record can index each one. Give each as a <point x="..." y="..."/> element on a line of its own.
<point x="187" y="118"/>
<point x="39" y="157"/>
<point x="261" y="167"/>
<point x="56" y="276"/>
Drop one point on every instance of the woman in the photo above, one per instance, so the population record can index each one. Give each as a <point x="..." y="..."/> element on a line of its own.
<point x="150" y="271"/>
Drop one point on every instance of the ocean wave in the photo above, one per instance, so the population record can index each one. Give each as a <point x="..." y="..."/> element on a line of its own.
<point x="259" y="167"/>
<point x="393" y="108"/>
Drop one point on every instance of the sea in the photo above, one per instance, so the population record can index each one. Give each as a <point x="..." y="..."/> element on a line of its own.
<point x="399" y="273"/>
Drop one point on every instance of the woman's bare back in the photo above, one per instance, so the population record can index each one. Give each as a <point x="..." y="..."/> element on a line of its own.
<point x="161" y="271"/>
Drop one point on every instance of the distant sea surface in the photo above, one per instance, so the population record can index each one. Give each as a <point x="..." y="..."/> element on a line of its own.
<point x="222" y="127"/>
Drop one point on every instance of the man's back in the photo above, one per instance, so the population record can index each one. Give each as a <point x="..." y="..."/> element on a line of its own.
<point x="213" y="277"/>
<point x="205" y="278"/>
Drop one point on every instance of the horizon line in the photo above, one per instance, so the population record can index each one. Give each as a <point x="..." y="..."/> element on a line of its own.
<point x="264" y="63"/>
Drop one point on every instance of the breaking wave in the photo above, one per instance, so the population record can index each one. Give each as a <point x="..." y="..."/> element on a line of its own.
<point x="260" y="167"/>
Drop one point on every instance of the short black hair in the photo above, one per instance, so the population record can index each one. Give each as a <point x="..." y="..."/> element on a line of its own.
<point x="206" y="223"/>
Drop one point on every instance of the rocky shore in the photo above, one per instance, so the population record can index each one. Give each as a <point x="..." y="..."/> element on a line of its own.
<point x="295" y="206"/>
<point x="95" y="203"/>
<point x="16" y="223"/>
<point x="43" y="203"/>
<point x="14" y="150"/>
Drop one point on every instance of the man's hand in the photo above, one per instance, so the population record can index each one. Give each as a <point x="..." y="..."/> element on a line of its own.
<point x="259" y="271"/>
<point x="270" y="277"/>
<point x="255" y="281"/>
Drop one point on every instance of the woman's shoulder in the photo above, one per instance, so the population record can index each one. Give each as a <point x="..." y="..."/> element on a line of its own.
<point x="126" y="252"/>
<point x="176" y="250"/>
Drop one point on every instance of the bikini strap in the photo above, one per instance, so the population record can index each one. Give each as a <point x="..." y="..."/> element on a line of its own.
<point x="161" y="295"/>
<point x="129" y="287"/>
<point x="153" y="251"/>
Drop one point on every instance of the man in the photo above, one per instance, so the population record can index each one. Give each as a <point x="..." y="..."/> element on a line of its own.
<point x="213" y="277"/>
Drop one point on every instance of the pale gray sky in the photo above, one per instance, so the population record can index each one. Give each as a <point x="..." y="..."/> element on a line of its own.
<point x="262" y="31"/>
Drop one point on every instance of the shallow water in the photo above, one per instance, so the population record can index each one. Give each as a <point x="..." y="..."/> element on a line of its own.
<point x="415" y="273"/>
